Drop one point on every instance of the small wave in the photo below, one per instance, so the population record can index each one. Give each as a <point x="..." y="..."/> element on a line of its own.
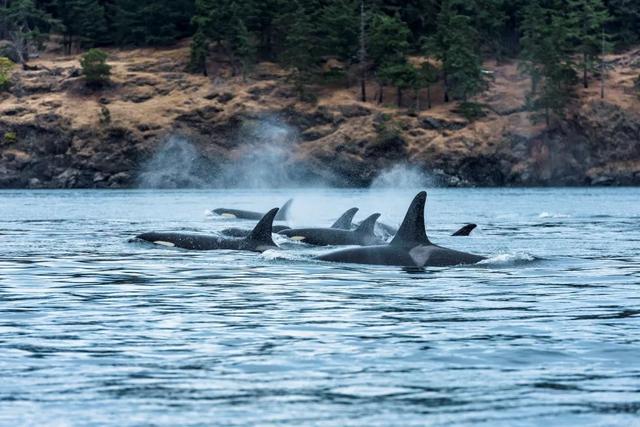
<point x="209" y="213"/>
<point x="509" y="259"/>
<point x="276" y="255"/>
<point x="553" y="215"/>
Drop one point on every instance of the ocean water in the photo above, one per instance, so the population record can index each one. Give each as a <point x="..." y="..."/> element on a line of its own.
<point x="95" y="330"/>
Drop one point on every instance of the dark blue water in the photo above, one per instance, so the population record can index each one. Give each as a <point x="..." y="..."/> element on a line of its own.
<point x="98" y="331"/>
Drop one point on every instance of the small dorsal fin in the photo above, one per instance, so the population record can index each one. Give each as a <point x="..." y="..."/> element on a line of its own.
<point x="412" y="232"/>
<point x="283" y="214"/>
<point x="465" y="231"/>
<point x="368" y="225"/>
<point x="344" y="222"/>
<point x="262" y="233"/>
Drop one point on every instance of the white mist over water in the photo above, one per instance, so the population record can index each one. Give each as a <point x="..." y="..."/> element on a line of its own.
<point x="264" y="159"/>
<point x="177" y="164"/>
<point x="403" y="176"/>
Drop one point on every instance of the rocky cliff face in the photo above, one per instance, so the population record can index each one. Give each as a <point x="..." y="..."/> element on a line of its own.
<point x="54" y="133"/>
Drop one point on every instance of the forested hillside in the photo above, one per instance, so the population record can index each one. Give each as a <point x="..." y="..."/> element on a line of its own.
<point x="559" y="41"/>
<point x="478" y="92"/>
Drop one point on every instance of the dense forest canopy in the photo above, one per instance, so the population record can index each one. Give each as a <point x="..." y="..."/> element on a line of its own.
<point x="560" y="42"/>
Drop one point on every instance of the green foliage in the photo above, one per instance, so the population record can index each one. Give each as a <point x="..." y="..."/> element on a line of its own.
<point x="388" y="40"/>
<point x="338" y="28"/>
<point x="150" y="22"/>
<point x="26" y="25"/>
<point x="625" y="22"/>
<point x="6" y="65"/>
<point x="455" y="45"/>
<point x="83" y="22"/>
<point x="471" y="110"/>
<point x="199" y="53"/>
<point x="10" y="137"/>
<point x="586" y="19"/>
<point x="546" y="51"/>
<point x="299" y="54"/>
<point x="95" y="68"/>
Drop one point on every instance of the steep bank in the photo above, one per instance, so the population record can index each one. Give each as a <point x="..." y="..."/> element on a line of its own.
<point x="57" y="134"/>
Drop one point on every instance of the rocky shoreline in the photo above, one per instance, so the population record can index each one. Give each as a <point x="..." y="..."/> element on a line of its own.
<point x="56" y="134"/>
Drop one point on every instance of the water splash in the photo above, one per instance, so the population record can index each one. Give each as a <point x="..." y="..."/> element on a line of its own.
<point x="403" y="177"/>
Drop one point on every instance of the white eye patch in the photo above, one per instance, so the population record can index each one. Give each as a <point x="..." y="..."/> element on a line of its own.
<point x="167" y="244"/>
<point x="297" y="238"/>
<point x="228" y="215"/>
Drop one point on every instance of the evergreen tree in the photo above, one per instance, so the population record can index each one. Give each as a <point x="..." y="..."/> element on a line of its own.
<point x="426" y="76"/>
<point x="300" y="47"/>
<point x="83" y="22"/>
<point x="547" y="58"/>
<point x="95" y="68"/>
<point x="455" y="45"/>
<point x="26" y="26"/>
<point x="338" y="28"/>
<point x="587" y="19"/>
<point x="199" y="53"/>
<point x="625" y="22"/>
<point x="388" y="47"/>
<point x="151" y="22"/>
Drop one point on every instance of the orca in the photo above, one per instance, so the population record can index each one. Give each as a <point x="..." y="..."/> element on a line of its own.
<point x="283" y="213"/>
<point x="465" y="231"/>
<point x="409" y="248"/>
<point x="361" y="236"/>
<point x="345" y="220"/>
<point x="343" y="223"/>
<point x="244" y="232"/>
<point x="259" y="240"/>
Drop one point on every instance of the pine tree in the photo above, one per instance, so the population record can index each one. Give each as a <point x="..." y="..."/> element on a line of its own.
<point x="199" y="53"/>
<point x="455" y="45"/>
<point x="625" y="22"/>
<point x="426" y="76"/>
<point x="83" y="20"/>
<point x="388" y="47"/>
<point x="299" y="46"/>
<point x="26" y="26"/>
<point x="151" y="22"/>
<point x="546" y="53"/>
<point x="587" y="19"/>
<point x="339" y="29"/>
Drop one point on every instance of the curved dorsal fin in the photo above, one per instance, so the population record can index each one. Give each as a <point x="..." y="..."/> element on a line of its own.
<point x="368" y="225"/>
<point x="283" y="214"/>
<point x="344" y="222"/>
<point x="412" y="232"/>
<point x="262" y="233"/>
<point x="466" y="230"/>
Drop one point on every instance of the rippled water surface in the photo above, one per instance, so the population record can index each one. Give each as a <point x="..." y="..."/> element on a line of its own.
<point x="95" y="330"/>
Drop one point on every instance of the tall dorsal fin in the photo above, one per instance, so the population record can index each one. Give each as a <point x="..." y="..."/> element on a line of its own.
<point x="283" y="214"/>
<point x="262" y="233"/>
<point x="412" y="232"/>
<point x="466" y="230"/>
<point x="368" y="225"/>
<point x="344" y="222"/>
